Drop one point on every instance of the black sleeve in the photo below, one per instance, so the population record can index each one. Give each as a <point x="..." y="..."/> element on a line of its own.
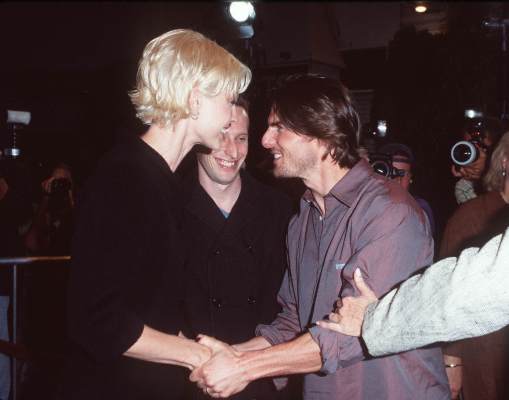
<point x="275" y="258"/>
<point x="108" y="247"/>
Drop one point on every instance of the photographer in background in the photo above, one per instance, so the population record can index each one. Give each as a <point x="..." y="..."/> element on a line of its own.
<point x="484" y="134"/>
<point x="397" y="161"/>
<point x="45" y="283"/>
<point x="51" y="230"/>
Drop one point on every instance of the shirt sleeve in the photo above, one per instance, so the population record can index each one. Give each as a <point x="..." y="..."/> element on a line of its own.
<point x="464" y="191"/>
<point x="453" y="299"/>
<point x="393" y="245"/>
<point x="107" y="249"/>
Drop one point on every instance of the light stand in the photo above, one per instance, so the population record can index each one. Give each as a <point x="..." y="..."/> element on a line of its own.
<point x="15" y="121"/>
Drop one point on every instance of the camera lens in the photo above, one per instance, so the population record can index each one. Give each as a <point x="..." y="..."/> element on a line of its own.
<point x="60" y="186"/>
<point x="464" y="153"/>
<point x="382" y="168"/>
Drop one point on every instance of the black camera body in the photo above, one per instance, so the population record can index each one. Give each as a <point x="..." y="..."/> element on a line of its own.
<point x="60" y="186"/>
<point x="466" y="152"/>
<point x="382" y="164"/>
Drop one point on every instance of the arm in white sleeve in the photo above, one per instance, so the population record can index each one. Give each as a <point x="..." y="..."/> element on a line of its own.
<point x="453" y="299"/>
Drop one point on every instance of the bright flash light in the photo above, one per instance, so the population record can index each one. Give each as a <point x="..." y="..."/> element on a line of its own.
<point x="241" y="10"/>
<point x="382" y="128"/>
<point x="470" y="113"/>
<point x="473" y="114"/>
<point x="421" y="8"/>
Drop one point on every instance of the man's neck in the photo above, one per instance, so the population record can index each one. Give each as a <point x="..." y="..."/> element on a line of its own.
<point x="323" y="178"/>
<point x="225" y="196"/>
<point x="171" y="142"/>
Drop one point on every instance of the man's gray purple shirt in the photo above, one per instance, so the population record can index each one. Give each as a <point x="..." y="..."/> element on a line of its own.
<point x="372" y="224"/>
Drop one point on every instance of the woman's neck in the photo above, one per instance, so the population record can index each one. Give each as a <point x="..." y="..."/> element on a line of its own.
<point x="170" y="142"/>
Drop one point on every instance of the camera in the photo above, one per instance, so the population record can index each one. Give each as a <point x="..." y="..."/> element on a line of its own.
<point x="466" y="152"/>
<point x="60" y="186"/>
<point x="382" y="164"/>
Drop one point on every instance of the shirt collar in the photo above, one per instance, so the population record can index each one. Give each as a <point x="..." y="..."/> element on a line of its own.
<point x="347" y="189"/>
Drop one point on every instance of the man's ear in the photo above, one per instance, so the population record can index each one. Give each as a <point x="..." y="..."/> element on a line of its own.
<point x="327" y="150"/>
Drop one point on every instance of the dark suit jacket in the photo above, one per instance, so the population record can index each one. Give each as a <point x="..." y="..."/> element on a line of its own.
<point x="234" y="266"/>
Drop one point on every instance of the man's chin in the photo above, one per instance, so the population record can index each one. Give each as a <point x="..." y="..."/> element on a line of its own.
<point x="279" y="173"/>
<point x="224" y="180"/>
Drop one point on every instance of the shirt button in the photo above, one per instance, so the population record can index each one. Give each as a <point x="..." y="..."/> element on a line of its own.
<point x="251" y="300"/>
<point x="217" y="302"/>
<point x="217" y="252"/>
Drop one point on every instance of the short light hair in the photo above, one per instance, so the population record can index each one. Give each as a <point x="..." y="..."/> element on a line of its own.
<point x="175" y="63"/>
<point x="494" y="180"/>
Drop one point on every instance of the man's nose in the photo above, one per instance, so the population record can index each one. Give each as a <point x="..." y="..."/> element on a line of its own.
<point x="230" y="148"/>
<point x="268" y="139"/>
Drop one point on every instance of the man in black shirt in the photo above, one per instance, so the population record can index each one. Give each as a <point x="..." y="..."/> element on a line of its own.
<point x="234" y="230"/>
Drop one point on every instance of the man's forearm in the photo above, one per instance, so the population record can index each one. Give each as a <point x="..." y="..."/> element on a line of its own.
<point x="162" y="348"/>
<point x="301" y="355"/>
<point x="256" y="343"/>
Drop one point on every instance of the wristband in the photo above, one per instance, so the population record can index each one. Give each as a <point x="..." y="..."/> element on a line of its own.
<point x="453" y="365"/>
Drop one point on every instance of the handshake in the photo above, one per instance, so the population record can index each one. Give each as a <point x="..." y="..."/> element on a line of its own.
<point x="224" y="373"/>
<point x="228" y="369"/>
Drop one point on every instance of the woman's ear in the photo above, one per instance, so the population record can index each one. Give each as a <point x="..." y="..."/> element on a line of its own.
<point x="194" y="102"/>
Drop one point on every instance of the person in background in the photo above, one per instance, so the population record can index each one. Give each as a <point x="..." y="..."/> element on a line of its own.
<point x="52" y="226"/>
<point x="404" y="161"/>
<point x="45" y="283"/>
<point x="479" y="366"/>
<point x="485" y="133"/>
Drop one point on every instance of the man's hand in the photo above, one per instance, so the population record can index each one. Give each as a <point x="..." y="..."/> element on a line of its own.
<point x="46" y="185"/>
<point x="349" y="314"/>
<point x="221" y="376"/>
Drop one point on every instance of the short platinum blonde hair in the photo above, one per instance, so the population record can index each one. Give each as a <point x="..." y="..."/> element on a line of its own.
<point x="175" y="63"/>
<point x="494" y="180"/>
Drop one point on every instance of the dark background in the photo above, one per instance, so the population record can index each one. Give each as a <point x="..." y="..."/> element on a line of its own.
<point x="72" y="64"/>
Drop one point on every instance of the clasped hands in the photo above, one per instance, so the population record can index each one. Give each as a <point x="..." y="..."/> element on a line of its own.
<point x="222" y="375"/>
<point x="225" y="373"/>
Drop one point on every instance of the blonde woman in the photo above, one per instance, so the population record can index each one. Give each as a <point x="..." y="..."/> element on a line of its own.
<point x="125" y="290"/>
